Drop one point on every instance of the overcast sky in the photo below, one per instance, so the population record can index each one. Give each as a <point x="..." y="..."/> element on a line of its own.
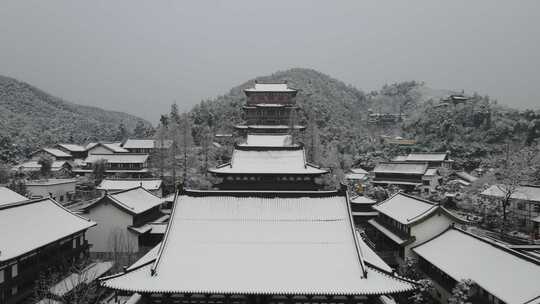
<point x="140" y="56"/>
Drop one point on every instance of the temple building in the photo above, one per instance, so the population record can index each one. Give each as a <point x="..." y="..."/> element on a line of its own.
<point x="269" y="159"/>
<point x="260" y="247"/>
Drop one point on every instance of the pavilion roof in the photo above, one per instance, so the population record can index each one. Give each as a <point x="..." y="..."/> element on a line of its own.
<point x="407" y="209"/>
<point x="134" y="201"/>
<point x="260" y="243"/>
<point x="268" y="161"/>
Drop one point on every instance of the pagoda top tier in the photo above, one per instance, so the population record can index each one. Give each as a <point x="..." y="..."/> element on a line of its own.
<point x="270" y="88"/>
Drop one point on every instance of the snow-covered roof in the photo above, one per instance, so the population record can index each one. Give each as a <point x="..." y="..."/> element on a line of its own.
<point x="86" y="276"/>
<point x="35" y="224"/>
<point x="129" y="183"/>
<point x="431" y="172"/>
<point x="273" y="243"/>
<point x="427" y="157"/>
<point x="55" y="152"/>
<point x="406" y="209"/>
<point x="360" y="199"/>
<point x="113" y="147"/>
<point x="356" y="174"/>
<point x="50" y="181"/>
<point x="122" y="158"/>
<point x="272" y="161"/>
<point x="135" y="201"/>
<point x="73" y="147"/>
<point x="528" y="193"/>
<point x="500" y="271"/>
<point x="358" y="171"/>
<point x="401" y="168"/>
<point x="269" y="127"/>
<point x="33" y="165"/>
<point x="466" y="176"/>
<point x="9" y="196"/>
<point x="270" y="87"/>
<point x="400" y="158"/>
<point x="139" y="144"/>
<point x="268" y="140"/>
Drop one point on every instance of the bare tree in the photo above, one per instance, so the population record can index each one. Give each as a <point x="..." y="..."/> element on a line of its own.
<point x="99" y="167"/>
<point x="122" y="248"/>
<point x="510" y="176"/>
<point x="161" y="147"/>
<point x="78" y="287"/>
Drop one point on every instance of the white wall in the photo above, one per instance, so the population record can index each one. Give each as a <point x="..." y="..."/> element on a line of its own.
<point x="57" y="190"/>
<point x="428" y="229"/>
<point x="111" y="223"/>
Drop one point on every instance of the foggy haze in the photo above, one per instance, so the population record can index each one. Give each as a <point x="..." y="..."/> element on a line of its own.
<point x="140" y="56"/>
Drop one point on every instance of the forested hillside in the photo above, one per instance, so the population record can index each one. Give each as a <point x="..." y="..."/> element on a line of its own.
<point x="337" y="118"/>
<point x="30" y="118"/>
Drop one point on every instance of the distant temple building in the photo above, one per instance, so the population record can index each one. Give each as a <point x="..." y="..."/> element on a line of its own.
<point x="269" y="159"/>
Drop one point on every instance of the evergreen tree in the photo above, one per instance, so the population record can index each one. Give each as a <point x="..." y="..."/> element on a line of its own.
<point x="45" y="163"/>
<point x="461" y="294"/>
<point x="140" y="130"/>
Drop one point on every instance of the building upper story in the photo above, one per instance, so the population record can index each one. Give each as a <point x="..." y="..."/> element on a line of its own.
<point x="134" y="163"/>
<point x="405" y="174"/>
<point x="152" y="185"/>
<point x="500" y="274"/>
<point x="148" y="146"/>
<point x="433" y="159"/>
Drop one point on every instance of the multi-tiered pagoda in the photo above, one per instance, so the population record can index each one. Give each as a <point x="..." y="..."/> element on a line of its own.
<point x="269" y="159"/>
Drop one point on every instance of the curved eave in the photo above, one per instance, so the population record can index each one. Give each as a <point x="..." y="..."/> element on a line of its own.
<point x="130" y="283"/>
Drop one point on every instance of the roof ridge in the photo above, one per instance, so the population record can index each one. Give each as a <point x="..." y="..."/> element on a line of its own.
<point x="355" y="236"/>
<point x="153" y="269"/>
<point x="125" y="190"/>
<point x="21" y="203"/>
<point x="259" y="193"/>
